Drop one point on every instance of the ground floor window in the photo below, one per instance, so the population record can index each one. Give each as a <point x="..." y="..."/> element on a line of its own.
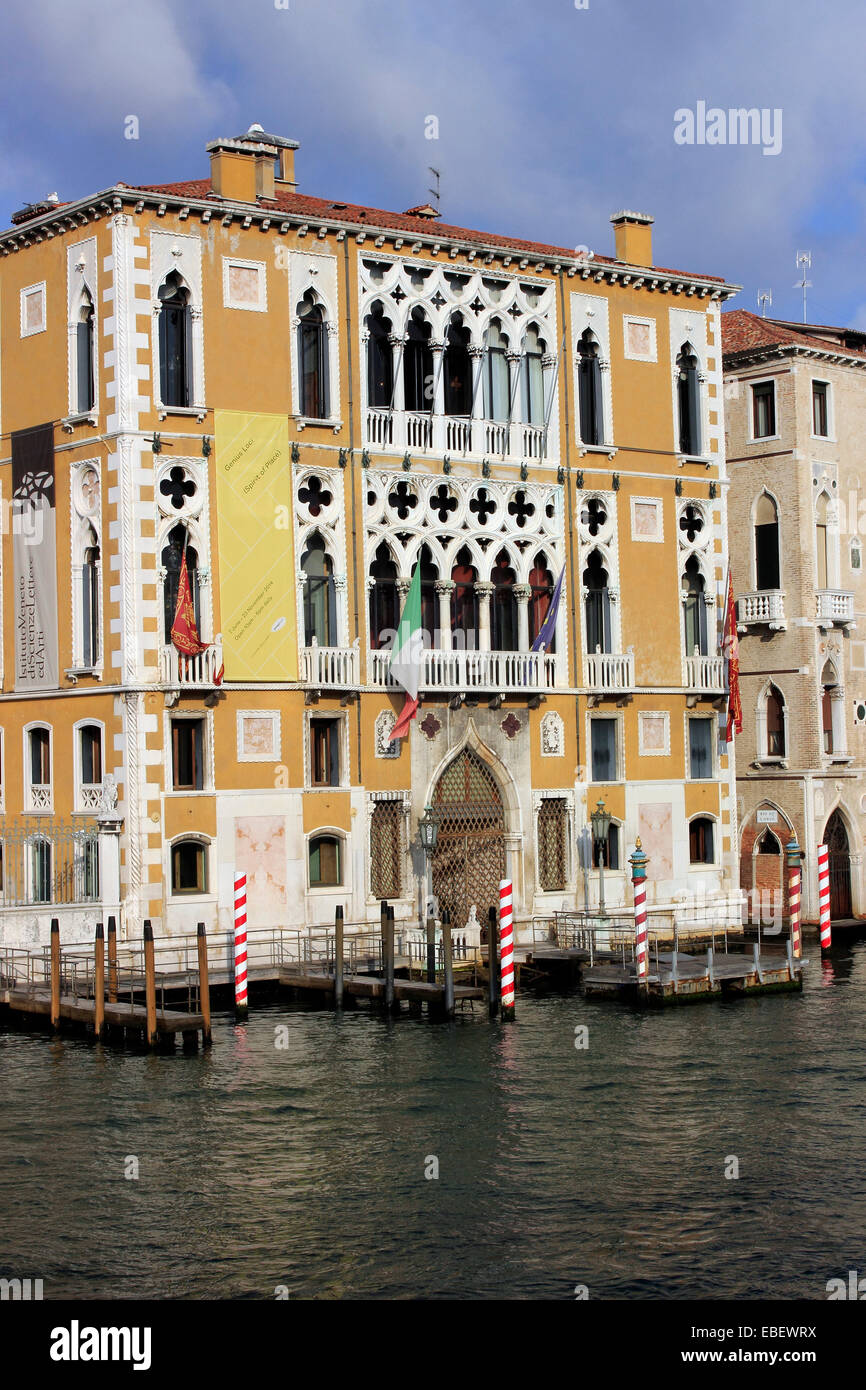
<point x="611" y="850"/>
<point x="701" y="848"/>
<point x="325" y="862"/>
<point x="553" y="844"/>
<point x="385" y="849"/>
<point x="188" y="867"/>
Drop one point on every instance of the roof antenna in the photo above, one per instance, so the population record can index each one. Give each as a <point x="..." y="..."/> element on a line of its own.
<point x="435" y="191"/>
<point x="804" y="262"/>
<point x="765" y="301"/>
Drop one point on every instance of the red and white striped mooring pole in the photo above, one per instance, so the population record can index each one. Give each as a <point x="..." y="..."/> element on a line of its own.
<point x="793" y="853"/>
<point x="241" y="945"/>
<point x="638" y="863"/>
<point x="506" y="948"/>
<point x="824" y="894"/>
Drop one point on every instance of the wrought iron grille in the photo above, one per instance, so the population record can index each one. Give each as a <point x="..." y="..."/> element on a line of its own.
<point x="52" y="863"/>
<point x="386" y="849"/>
<point x="470" y="849"/>
<point x="553" y="843"/>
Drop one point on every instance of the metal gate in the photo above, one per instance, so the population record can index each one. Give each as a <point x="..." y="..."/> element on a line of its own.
<point x="470" y="848"/>
<point x="836" y="840"/>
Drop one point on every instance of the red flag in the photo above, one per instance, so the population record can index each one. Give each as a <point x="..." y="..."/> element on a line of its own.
<point x="184" y="633"/>
<point x="731" y="650"/>
<point x="407" y="714"/>
<point x="218" y="678"/>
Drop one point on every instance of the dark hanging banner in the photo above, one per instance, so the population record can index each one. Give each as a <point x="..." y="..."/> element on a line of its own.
<point x="34" y="554"/>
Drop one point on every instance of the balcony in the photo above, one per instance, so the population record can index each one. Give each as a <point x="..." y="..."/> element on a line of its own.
<point x="493" y="673"/>
<point x="705" y="675"/>
<point x="179" y="672"/>
<point x="834" y="607"/>
<point x="39" y="797"/>
<point x="330" y="668"/>
<point x="610" y="673"/>
<point x="423" y="431"/>
<point x="765" y="608"/>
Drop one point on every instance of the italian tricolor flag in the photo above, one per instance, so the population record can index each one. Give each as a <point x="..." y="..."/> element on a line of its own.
<point x="407" y="655"/>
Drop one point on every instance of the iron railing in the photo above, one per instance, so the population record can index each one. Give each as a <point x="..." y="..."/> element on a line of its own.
<point x="50" y="862"/>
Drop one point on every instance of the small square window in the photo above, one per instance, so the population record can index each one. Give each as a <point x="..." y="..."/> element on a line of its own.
<point x="764" y="410"/>
<point x="33" y="310"/>
<point x="244" y="285"/>
<point x="640" y="338"/>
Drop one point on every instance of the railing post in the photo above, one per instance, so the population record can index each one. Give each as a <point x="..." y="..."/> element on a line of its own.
<point x="112" y="961"/>
<point x="203" y="983"/>
<point x="99" y="982"/>
<point x="449" y="964"/>
<point x="149" y="985"/>
<point x="338" y="956"/>
<point x="55" y="973"/>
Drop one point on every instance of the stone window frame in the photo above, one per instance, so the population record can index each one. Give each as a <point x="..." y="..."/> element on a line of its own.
<point x="341" y="717"/>
<point x="565" y="794"/>
<point x="665" y="750"/>
<point x="275" y="717"/>
<point x="658" y="503"/>
<point x="240" y="263"/>
<point x="649" y="323"/>
<point x="41" y="287"/>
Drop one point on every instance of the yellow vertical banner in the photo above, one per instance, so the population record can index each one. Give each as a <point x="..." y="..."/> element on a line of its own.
<point x="258" y="595"/>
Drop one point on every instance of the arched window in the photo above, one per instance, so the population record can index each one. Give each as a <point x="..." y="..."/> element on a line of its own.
<point x="429" y="603"/>
<point x="85" y="388"/>
<point x="172" y="557"/>
<point x="541" y="591"/>
<point x="533" y="378"/>
<point x="822" y="552"/>
<point x="458" y="369"/>
<point x="589" y="390"/>
<point x="325" y="861"/>
<point x="380" y="358"/>
<point x="464" y="602"/>
<point x="775" y="711"/>
<point x="503" y="615"/>
<point x="831" y="709"/>
<point x="688" y="401"/>
<point x="418" y="385"/>
<point x="768" y="844"/>
<point x="89" y="615"/>
<point x="175" y="342"/>
<point x="596" y="605"/>
<point x="313" y="358"/>
<point x="701" y="842"/>
<point x="320" y="595"/>
<point x="90" y="758"/>
<point x="384" y="604"/>
<point x="497" y="404"/>
<point x="766" y="543"/>
<point x="188" y="867"/>
<point x="40" y="757"/>
<point x="694" y="610"/>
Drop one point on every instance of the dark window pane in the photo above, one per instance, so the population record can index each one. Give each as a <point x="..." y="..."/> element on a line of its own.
<point x="700" y="748"/>
<point x="603" y="749"/>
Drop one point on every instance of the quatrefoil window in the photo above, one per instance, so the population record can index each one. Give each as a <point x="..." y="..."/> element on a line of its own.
<point x="314" y="495"/>
<point x="177" y="487"/>
<point x="398" y="293"/>
<point x="402" y="500"/>
<point x="442" y="502"/>
<point x="692" y="523"/>
<point x="593" y="516"/>
<point x="520" y="508"/>
<point x="482" y="505"/>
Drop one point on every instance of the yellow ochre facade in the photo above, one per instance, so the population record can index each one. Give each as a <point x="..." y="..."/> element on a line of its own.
<point x="303" y="400"/>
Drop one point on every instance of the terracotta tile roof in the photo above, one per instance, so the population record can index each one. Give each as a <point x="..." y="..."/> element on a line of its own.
<point x="301" y="204"/>
<point x="743" y="331"/>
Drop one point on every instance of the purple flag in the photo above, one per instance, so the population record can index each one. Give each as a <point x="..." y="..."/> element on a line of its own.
<point x="548" y="627"/>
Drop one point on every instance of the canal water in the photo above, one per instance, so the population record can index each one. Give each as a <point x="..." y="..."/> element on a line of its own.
<point x="303" y="1166"/>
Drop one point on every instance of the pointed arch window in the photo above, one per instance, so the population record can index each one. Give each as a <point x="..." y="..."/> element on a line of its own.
<point x="458" y="369"/>
<point x="172" y="558"/>
<point x="175" y="343"/>
<point x="84" y="373"/>
<point x="694" y="610"/>
<point x="384" y="605"/>
<point x="380" y="358"/>
<point x="597" y="605"/>
<point x="767" y="569"/>
<point x="313" y="358"/>
<point x="464" y="601"/>
<point x="418" y="383"/>
<point x="589" y="390"/>
<point x="541" y="591"/>
<point x="429" y="605"/>
<point x="533" y="378"/>
<point x="775" y="712"/>
<point x="89" y="612"/>
<point x="320" y="595"/>
<point x="688" y="401"/>
<point x="503" y="616"/>
<point x="496" y="387"/>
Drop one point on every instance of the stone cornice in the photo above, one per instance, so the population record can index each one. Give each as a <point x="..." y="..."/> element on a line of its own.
<point x="772" y="352"/>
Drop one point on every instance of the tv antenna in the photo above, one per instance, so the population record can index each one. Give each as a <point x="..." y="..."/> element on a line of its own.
<point x="765" y="301"/>
<point x="435" y="191"/>
<point x="804" y="263"/>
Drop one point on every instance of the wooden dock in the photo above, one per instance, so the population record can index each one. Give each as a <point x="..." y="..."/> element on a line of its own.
<point x="305" y="980"/>
<point x="130" y="1019"/>
<point x="678" y="978"/>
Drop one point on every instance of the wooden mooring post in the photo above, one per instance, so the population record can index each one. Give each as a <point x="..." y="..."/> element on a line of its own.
<point x="389" y="960"/>
<point x="493" y="961"/>
<point x="449" y="964"/>
<point x="431" y="945"/>
<point x="99" y="982"/>
<point x="338" y="956"/>
<point x="383" y="925"/>
<point x="149" y="985"/>
<point x="112" y="961"/>
<point x="55" y="973"/>
<point x="203" y="983"/>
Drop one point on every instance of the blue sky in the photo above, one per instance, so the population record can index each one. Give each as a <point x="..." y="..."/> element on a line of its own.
<point x="550" y="117"/>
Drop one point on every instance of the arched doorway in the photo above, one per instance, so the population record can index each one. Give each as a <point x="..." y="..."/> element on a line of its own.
<point x="470" y="848"/>
<point x="836" y="840"/>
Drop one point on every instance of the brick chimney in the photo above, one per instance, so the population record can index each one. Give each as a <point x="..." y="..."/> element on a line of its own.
<point x="633" y="237"/>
